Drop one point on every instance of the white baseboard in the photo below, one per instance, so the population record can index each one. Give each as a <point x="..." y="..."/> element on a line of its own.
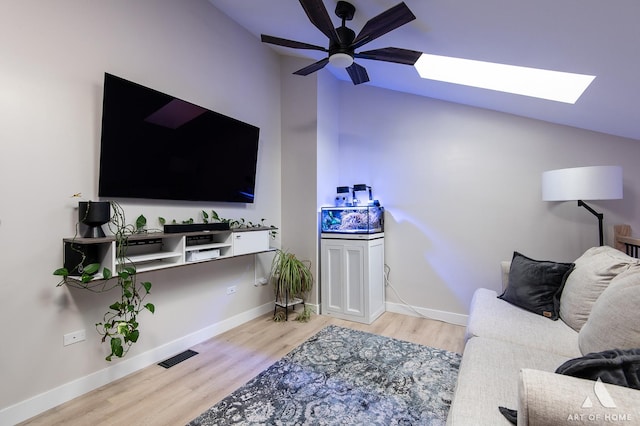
<point x="449" y="317"/>
<point x="40" y="403"/>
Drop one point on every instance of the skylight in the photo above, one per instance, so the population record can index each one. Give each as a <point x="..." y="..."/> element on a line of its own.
<point x="545" y="84"/>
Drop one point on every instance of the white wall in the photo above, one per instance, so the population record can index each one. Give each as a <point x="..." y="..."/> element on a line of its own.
<point x="299" y="164"/>
<point x="461" y="188"/>
<point x="54" y="55"/>
<point x="310" y="141"/>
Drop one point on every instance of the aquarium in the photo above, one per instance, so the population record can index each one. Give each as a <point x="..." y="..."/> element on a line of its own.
<point x="352" y="220"/>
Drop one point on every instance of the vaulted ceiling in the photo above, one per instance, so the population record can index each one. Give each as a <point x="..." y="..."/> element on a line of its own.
<point x="594" y="37"/>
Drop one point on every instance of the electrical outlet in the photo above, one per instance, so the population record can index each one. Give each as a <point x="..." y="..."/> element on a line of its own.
<point x="232" y="289"/>
<point x="75" y="337"/>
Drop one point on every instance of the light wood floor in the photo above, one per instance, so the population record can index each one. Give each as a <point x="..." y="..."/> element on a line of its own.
<point x="174" y="396"/>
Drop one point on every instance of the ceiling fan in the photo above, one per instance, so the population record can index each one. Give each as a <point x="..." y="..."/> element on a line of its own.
<point x="343" y="41"/>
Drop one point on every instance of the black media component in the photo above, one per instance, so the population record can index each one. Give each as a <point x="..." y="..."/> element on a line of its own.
<point x="195" y="227"/>
<point x="156" y="146"/>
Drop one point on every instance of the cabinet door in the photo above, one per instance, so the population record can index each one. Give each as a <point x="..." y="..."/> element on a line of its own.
<point x="332" y="272"/>
<point x="250" y="242"/>
<point x="354" y="279"/>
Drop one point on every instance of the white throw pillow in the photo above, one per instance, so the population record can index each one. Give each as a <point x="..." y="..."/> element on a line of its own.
<point x="593" y="272"/>
<point x="614" y="322"/>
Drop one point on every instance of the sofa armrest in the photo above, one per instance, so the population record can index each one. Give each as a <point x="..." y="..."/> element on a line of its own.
<point x="549" y="399"/>
<point x="505" y="265"/>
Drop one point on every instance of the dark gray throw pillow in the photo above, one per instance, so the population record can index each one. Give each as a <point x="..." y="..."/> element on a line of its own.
<point x="536" y="285"/>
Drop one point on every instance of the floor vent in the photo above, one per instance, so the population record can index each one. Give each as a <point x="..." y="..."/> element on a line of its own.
<point x="167" y="363"/>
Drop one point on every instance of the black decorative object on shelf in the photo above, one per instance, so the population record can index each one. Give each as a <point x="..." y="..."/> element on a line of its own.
<point x="94" y="214"/>
<point x="195" y="227"/>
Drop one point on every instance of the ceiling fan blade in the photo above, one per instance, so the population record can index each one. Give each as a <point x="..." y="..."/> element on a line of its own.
<point x="290" y="43"/>
<point x="318" y="15"/>
<point x="387" y="21"/>
<point x="313" y="67"/>
<point x="391" y="54"/>
<point x="358" y="74"/>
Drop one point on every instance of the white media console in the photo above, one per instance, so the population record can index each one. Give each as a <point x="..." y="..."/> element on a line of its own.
<point x="152" y="251"/>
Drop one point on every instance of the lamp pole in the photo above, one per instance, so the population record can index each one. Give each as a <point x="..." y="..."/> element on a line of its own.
<point x="596" y="214"/>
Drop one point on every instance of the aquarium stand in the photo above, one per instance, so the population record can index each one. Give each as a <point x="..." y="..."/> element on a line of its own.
<point x="352" y="285"/>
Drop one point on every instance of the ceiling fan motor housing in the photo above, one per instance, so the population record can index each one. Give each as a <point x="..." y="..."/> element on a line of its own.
<point x="346" y="36"/>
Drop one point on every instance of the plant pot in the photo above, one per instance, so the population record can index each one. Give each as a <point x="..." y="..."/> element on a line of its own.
<point x="94" y="214"/>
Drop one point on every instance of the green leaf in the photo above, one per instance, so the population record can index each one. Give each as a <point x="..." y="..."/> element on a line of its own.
<point x="106" y="273"/>
<point x="91" y="268"/>
<point x="141" y="222"/>
<point x="116" y="306"/>
<point x="133" y="336"/>
<point x="150" y="307"/>
<point x="162" y="220"/>
<point x="146" y="285"/>
<point x="86" y="278"/>
<point x="62" y="272"/>
<point x="214" y="216"/>
<point x="116" y="346"/>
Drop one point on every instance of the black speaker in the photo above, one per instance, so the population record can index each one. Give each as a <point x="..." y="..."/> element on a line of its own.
<point x="73" y="254"/>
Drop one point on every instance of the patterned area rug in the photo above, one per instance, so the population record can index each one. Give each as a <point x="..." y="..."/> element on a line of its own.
<point x="345" y="377"/>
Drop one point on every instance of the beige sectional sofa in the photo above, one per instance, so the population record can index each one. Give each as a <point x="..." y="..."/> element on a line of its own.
<point x="511" y="354"/>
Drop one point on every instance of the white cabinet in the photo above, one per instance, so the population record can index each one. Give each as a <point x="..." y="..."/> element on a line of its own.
<point x="352" y="276"/>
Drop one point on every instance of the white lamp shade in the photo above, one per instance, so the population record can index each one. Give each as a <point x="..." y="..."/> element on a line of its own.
<point x="582" y="183"/>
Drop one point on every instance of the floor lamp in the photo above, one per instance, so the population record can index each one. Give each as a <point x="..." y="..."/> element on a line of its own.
<point x="583" y="183"/>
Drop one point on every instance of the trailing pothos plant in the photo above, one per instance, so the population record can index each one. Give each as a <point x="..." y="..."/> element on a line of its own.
<point x="213" y="217"/>
<point x="238" y="223"/>
<point x="119" y="325"/>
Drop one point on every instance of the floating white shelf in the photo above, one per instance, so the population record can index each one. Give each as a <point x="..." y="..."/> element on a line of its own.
<point x="153" y="251"/>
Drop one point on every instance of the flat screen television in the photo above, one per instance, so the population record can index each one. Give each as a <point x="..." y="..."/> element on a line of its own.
<point x="156" y="146"/>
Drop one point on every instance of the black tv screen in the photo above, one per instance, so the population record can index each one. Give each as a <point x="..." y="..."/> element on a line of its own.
<point x="156" y="146"/>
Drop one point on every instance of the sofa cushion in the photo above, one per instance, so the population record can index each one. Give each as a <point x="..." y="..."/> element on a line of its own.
<point x="593" y="272"/>
<point x="488" y="378"/>
<point x="535" y="285"/>
<point x="494" y="318"/>
<point x="615" y="317"/>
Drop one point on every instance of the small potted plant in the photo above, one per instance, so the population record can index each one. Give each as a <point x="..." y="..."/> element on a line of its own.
<point x="292" y="280"/>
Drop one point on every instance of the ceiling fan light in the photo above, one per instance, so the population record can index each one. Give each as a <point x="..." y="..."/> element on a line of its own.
<point x="341" y="60"/>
